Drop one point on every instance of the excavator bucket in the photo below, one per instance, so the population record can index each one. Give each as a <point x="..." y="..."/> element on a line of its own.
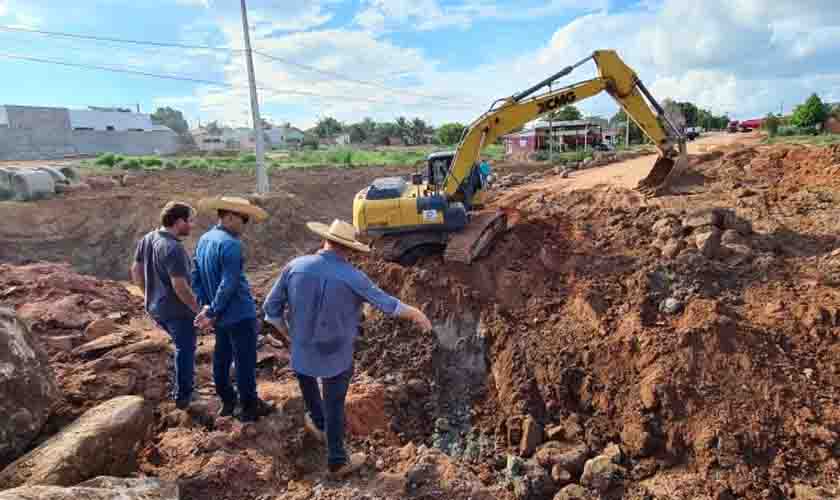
<point x="663" y="175"/>
<point x="474" y="241"/>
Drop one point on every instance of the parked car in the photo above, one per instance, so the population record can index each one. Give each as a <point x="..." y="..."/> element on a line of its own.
<point x="602" y="146"/>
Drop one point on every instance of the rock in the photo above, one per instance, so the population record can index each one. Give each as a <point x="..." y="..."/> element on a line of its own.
<point x="565" y="173"/>
<point x="709" y="243"/>
<point x="555" y="433"/>
<point x="730" y="221"/>
<point x="365" y="409"/>
<point x="667" y="228"/>
<point x="532" y="436"/>
<point x="63" y="343"/>
<point x="571" y="459"/>
<point x="704" y="218"/>
<point x="100" y="328"/>
<point x="101" y="488"/>
<point x="637" y="440"/>
<point x="98" y="347"/>
<point x="561" y="476"/>
<point x="804" y="492"/>
<point x="27" y="387"/>
<point x="417" y="387"/>
<point x="672" y="248"/>
<point x="670" y="306"/>
<point x="601" y="474"/>
<point x="535" y="482"/>
<point x="613" y="452"/>
<point x="103" y="441"/>
<point x="733" y="237"/>
<point x="572" y="492"/>
<point x="69" y="312"/>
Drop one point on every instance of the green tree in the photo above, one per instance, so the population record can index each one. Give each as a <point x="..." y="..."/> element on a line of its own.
<point x="384" y="131"/>
<point x="674" y="113"/>
<point x="357" y="133"/>
<point x="419" y="129"/>
<point x="171" y="118"/>
<point x="811" y="113"/>
<point x="619" y="122"/>
<point x="771" y="124"/>
<point x="567" y="113"/>
<point x="328" y="127"/>
<point x="450" y="133"/>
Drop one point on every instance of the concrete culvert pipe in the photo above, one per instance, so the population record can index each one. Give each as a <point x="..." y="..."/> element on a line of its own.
<point x="71" y="173"/>
<point x="32" y="185"/>
<point x="58" y="177"/>
<point x="6" y="192"/>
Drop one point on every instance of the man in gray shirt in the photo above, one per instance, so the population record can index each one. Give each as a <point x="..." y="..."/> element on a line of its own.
<point x="162" y="270"/>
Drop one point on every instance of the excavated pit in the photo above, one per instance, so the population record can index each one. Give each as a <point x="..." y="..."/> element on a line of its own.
<point x="699" y="333"/>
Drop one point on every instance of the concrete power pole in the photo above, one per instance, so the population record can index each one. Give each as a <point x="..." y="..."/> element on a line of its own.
<point x="262" y="177"/>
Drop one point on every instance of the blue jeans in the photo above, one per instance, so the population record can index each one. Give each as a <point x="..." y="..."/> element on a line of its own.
<point x="182" y="332"/>
<point x="236" y="343"/>
<point x="328" y="412"/>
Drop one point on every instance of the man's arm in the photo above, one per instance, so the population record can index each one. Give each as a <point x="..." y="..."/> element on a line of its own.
<point x="231" y="254"/>
<point x="390" y="305"/>
<point x="137" y="276"/>
<point x="200" y="293"/>
<point x="275" y="303"/>
<point x="184" y="292"/>
<point x="137" y="267"/>
<point x="177" y="266"/>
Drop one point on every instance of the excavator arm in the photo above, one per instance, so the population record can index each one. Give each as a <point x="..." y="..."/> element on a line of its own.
<point x="616" y="78"/>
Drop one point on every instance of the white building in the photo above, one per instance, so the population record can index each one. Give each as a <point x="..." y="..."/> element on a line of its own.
<point x="88" y="119"/>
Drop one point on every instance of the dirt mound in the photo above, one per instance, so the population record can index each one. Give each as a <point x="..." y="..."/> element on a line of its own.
<point x="697" y="336"/>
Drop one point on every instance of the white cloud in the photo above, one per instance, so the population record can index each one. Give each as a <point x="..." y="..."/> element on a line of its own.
<point x="4" y="8"/>
<point x="744" y="57"/>
<point x="424" y="15"/>
<point x="194" y="3"/>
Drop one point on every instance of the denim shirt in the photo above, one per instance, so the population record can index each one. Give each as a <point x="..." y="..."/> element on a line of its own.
<point x="218" y="278"/>
<point x="324" y="294"/>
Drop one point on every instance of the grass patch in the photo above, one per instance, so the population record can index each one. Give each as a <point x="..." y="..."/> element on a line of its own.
<point x="813" y="140"/>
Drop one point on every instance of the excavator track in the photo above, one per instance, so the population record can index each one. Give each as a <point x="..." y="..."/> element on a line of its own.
<point x="474" y="240"/>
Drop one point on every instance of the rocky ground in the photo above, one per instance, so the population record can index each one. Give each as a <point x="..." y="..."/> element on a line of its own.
<point x="610" y="346"/>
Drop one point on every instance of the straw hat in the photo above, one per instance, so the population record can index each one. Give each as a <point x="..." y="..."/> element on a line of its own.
<point x="233" y="204"/>
<point x="339" y="232"/>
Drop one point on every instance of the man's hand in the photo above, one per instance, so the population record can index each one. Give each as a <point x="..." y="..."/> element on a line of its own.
<point x="202" y="321"/>
<point x="417" y="316"/>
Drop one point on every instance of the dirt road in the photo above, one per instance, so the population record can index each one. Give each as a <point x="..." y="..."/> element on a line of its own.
<point x="628" y="173"/>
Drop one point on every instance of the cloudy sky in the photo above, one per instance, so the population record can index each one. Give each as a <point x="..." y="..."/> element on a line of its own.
<point x="442" y="60"/>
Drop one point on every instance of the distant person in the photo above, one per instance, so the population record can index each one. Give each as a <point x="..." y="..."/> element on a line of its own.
<point x="161" y="269"/>
<point x="221" y="285"/>
<point x="324" y="295"/>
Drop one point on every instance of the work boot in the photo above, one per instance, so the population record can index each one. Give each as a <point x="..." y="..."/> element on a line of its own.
<point x="310" y="427"/>
<point x="228" y="407"/>
<point x="340" y="471"/>
<point x="252" y="411"/>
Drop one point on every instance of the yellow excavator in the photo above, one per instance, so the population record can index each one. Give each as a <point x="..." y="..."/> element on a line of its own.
<point x="437" y="211"/>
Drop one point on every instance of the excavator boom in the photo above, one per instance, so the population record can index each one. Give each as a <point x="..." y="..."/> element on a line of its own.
<point x="441" y="212"/>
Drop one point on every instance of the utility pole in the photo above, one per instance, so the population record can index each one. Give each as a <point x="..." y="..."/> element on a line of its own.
<point x="262" y="178"/>
<point x="627" y="133"/>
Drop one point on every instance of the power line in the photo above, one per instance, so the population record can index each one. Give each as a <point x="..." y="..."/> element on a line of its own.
<point x="283" y="60"/>
<point x="270" y="90"/>
<point x="118" y="40"/>
<point x="340" y="76"/>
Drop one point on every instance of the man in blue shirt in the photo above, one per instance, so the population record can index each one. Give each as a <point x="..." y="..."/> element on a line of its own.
<point x="219" y="280"/>
<point x="324" y="295"/>
<point x="161" y="269"/>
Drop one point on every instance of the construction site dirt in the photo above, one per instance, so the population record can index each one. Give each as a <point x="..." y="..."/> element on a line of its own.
<point x="691" y="338"/>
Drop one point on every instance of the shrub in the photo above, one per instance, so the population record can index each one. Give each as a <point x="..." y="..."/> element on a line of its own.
<point x="152" y="161"/>
<point x="248" y="158"/>
<point x="170" y="165"/>
<point x="771" y="124"/>
<point x="542" y="156"/>
<point x="108" y="159"/>
<point x="132" y="164"/>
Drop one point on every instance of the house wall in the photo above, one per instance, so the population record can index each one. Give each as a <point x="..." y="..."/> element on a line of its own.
<point x="37" y="118"/>
<point x="46" y="144"/>
<point x="832" y="126"/>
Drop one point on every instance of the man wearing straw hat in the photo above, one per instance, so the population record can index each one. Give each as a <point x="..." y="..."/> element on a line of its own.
<point x="324" y="294"/>
<point x="222" y="288"/>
